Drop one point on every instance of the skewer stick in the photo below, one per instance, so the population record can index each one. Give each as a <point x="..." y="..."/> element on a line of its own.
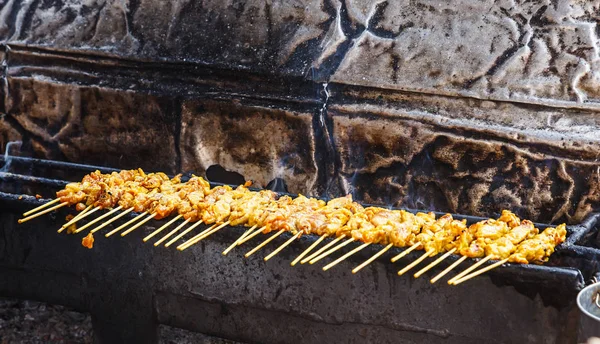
<point x="262" y="244"/>
<point x="337" y="261"/>
<point x="45" y="205"/>
<point x="370" y="260"/>
<point x="284" y="245"/>
<point x="434" y="263"/>
<point x="194" y="240"/>
<point x="98" y="219"/>
<point x="405" y="252"/>
<point x="309" y="249"/>
<point x="111" y="221"/>
<point x="150" y="236"/>
<point x="443" y="273"/>
<point x="43" y="212"/>
<point x="138" y="224"/>
<point x="322" y="249"/>
<point x="235" y="243"/>
<point x="210" y="230"/>
<point x="189" y="229"/>
<point x="203" y="236"/>
<point x="76" y="219"/>
<point x="171" y="232"/>
<point x="469" y="269"/>
<point x="78" y="216"/>
<point x="325" y="254"/>
<point x="250" y="236"/>
<point x="137" y="218"/>
<point x="479" y="272"/>
<point x="413" y="264"/>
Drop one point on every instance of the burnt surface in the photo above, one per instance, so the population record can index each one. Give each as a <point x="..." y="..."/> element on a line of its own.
<point x="201" y="290"/>
<point x="398" y="103"/>
<point x="139" y="286"/>
<point x="264" y="143"/>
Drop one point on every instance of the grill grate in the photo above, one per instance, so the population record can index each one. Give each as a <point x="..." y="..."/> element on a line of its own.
<point x="556" y="283"/>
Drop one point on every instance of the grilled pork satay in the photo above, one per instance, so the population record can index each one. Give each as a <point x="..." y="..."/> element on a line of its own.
<point x="191" y="194"/>
<point x="283" y="213"/>
<point x="214" y="208"/>
<point x="533" y="250"/>
<point x="246" y="208"/>
<point x="370" y="226"/>
<point x="435" y="237"/>
<point x="284" y="217"/>
<point x="500" y="246"/>
<point x="441" y="234"/>
<point x="480" y="234"/>
<point x="77" y="193"/>
<point x="538" y="249"/>
<point x="325" y="221"/>
<point x="401" y="232"/>
<point x="505" y="246"/>
<point x="472" y="241"/>
<point x="405" y="233"/>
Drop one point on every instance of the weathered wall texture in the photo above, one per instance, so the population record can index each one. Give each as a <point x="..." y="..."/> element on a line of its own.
<point x="465" y="106"/>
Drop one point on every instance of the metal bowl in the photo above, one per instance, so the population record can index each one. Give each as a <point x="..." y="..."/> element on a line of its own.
<point x="588" y="301"/>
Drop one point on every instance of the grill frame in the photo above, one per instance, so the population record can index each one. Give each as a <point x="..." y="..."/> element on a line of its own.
<point x="99" y="290"/>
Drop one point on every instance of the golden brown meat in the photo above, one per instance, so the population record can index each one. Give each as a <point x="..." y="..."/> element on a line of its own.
<point x="538" y="249"/>
<point x="88" y="241"/>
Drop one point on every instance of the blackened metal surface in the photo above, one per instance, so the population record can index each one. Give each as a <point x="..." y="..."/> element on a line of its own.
<point x="132" y="286"/>
<point x="458" y="119"/>
<point x="123" y="281"/>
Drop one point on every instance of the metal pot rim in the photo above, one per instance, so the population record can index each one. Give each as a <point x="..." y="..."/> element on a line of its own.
<point x="596" y="287"/>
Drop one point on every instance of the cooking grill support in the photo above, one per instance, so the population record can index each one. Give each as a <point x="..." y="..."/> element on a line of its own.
<point x="130" y="287"/>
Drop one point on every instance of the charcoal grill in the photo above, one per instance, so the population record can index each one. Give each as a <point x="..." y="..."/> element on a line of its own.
<point x="443" y="117"/>
<point x="130" y="288"/>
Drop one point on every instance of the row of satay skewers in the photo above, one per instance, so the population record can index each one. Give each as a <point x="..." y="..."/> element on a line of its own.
<point x="156" y="196"/>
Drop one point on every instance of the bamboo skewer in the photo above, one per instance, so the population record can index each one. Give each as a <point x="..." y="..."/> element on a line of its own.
<point x="25" y="219"/>
<point x="201" y="236"/>
<point x="189" y="229"/>
<point x="250" y="236"/>
<point x="469" y="269"/>
<point x="139" y="224"/>
<point x="135" y="219"/>
<point x="337" y="261"/>
<point x="150" y="236"/>
<point x="284" y="245"/>
<point x="434" y="263"/>
<point x="370" y="260"/>
<point x="416" y="262"/>
<point x="443" y="273"/>
<point x="211" y="232"/>
<point x="309" y="249"/>
<point x="76" y="219"/>
<point x="479" y="272"/>
<point x="322" y="249"/>
<point x="111" y="220"/>
<point x="235" y="243"/>
<point x="98" y="219"/>
<point x="171" y="232"/>
<point x="45" y="205"/>
<point x="193" y="240"/>
<point x="81" y="213"/>
<point x="405" y="252"/>
<point x="262" y="244"/>
<point x="331" y="250"/>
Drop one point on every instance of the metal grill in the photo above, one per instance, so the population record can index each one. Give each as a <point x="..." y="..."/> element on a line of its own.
<point x="130" y="287"/>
